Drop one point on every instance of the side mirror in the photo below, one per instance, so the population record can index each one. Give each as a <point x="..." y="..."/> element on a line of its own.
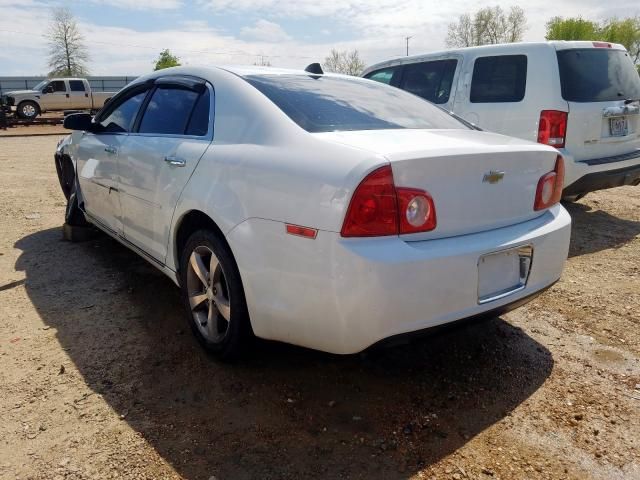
<point x="78" y="121"/>
<point x="48" y="89"/>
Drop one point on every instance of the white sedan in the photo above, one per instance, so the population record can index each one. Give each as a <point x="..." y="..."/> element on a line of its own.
<point x="326" y="211"/>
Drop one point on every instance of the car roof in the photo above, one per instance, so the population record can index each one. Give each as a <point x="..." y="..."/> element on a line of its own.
<point x="495" y="49"/>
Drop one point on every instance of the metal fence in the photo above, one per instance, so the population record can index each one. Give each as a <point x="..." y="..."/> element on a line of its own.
<point x="99" y="84"/>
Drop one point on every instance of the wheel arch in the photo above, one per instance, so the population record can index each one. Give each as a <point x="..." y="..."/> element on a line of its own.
<point x="188" y="223"/>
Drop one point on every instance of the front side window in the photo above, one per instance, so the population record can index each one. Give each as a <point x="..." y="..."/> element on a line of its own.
<point x="324" y="103"/>
<point x="168" y="111"/>
<point x="499" y="79"/>
<point x="430" y="80"/>
<point x="383" y="76"/>
<point x="57" y="86"/>
<point x="76" y="85"/>
<point x="120" y="118"/>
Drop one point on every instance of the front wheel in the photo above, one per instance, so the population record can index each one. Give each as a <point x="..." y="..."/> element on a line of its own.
<point x="28" y="110"/>
<point x="213" y="296"/>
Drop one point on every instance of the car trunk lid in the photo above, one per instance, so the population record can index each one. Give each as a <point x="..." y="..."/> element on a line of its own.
<point x="479" y="181"/>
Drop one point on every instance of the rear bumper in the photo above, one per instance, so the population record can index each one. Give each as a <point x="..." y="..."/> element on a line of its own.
<point x="344" y="295"/>
<point x="604" y="179"/>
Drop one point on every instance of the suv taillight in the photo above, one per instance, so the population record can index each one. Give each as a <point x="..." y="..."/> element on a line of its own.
<point x="549" y="191"/>
<point x="379" y="208"/>
<point x="552" y="128"/>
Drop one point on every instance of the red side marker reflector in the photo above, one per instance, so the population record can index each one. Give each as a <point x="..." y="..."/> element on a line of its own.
<point x="302" y="231"/>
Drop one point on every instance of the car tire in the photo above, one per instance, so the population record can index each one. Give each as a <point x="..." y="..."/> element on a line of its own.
<point x="73" y="215"/>
<point x="66" y="174"/>
<point x="28" y="110"/>
<point x="213" y="296"/>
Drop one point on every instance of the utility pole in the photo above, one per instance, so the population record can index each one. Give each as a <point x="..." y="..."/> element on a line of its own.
<point x="407" y="40"/>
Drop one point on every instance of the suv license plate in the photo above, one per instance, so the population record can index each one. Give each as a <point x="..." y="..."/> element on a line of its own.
<point x="618" y="126"/>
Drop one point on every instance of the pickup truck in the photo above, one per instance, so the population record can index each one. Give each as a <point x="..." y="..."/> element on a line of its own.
<point x="56" y="94"/>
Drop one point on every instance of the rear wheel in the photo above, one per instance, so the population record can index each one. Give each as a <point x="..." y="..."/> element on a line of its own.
<point x="213" y="296"/>
<point x="28" y="110"/>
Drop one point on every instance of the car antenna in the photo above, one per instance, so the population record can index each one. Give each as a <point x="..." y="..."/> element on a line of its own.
<point x="314" y="68"/>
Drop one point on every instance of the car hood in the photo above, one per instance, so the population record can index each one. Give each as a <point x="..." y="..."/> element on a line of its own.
<point x="21" y="92"/>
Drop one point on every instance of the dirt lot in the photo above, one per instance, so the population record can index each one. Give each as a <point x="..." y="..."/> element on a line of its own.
<point x="100" y="377"/>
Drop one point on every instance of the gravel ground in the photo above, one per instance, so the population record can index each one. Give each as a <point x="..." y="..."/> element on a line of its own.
<point x="100" y="377"/>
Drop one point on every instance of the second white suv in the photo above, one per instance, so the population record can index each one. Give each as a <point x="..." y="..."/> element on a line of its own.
<point x="580" y="97"/>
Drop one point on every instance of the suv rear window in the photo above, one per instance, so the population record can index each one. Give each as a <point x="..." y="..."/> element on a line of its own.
<point x="499" y="79"/>
<point x="597" y="75"/>
<point x="321" y="103"/>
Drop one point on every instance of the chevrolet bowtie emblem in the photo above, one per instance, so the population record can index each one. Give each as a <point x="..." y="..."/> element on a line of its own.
<point x="493" y="177"/>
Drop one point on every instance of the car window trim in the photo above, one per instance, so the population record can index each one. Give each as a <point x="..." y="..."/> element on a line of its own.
<point x="208" y="137"/>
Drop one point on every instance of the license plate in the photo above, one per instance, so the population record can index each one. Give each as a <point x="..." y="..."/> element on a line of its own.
<point x="618" y="126"/>
<point x="502" y="273"/>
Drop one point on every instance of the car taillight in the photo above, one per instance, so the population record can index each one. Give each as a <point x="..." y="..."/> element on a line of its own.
<point x="549" y="191"/>
<point x="416" y="210"/>
<point x="602" y="45"/>
<point x="552" y="128"/>
<point x="379" y="208"/>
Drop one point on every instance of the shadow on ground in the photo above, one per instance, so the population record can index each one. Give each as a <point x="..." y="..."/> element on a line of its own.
<point x="285" y="412"/>
<point x="596" y="230"/>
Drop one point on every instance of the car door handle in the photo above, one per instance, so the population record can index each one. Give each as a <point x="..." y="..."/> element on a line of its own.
<point x="110" y="149"/>
<point x="175" y="161"/>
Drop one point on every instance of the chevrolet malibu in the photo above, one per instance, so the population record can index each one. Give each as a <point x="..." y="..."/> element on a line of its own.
<point x="325" y="211"/>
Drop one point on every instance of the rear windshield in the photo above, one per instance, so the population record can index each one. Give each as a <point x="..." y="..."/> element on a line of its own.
<point x="326" y="104"/>
<point x="597" y="75"/>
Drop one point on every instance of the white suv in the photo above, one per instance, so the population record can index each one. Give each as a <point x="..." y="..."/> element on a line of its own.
<point x="580" y="97"/>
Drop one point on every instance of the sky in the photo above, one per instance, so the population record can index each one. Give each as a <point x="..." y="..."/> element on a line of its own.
<point x="124" y="37"/>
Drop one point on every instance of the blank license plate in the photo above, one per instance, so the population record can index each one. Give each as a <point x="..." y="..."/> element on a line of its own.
<point x="503" y="273"/>
<point x="618" y="126"/>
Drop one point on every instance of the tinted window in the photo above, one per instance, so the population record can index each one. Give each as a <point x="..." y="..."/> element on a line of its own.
<point x="327" y="103"/>
<point x="499" y="79"/>
<point x="58" y="86"/>
<point x="121" y="117"/>
<point x="168" y="111"/>
<point x="430" y="80"/>
<point x="199" y="122"/>
<point x="383" y="76"/>
<point x="76" y="85"/>
<point x="597" y="75"/>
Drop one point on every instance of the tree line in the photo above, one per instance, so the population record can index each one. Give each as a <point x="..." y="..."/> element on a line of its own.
<point x="68" y="54"/>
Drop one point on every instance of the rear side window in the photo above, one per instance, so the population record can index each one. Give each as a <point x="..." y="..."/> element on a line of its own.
<point x="76" y="85"/>
<point x="499" y="79"/>
<point x="597" y="75"/>
<point x="199" y="122"/>
<point x="430" y="80"/>
<point x="383" y="76"/>
<point x="168" y="111"/>
<point x="121" y="117"/>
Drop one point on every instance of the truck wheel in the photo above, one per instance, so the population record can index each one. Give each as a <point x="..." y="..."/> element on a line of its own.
<point x="28" y="110"/>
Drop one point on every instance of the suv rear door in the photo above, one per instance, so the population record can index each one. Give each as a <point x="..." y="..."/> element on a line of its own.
<point x="602" y="88"/>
